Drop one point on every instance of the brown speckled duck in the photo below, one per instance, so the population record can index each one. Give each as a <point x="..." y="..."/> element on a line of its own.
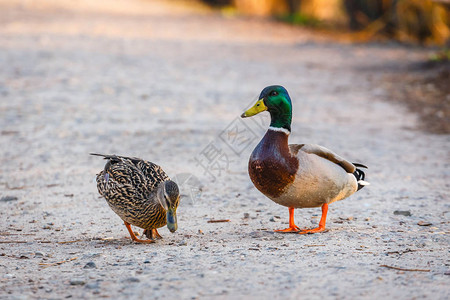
<point x="297" y="175"/>
<point x="140" y="193"/>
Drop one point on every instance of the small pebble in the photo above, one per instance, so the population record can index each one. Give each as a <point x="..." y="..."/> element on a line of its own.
<point x="8" y="198"/>
<point x="25" y="255"/>
<point x="424" y="223"/>
<point x="77" y="281"/>
<point x="38" y="254"/>
<point x="92" y="285"/>
<point x="275" y="219"/>
<point x="246" y="215"/>
<point x="90" y="265"/>
<point x="182" y="243"/>
<point x="256" y="234"/>
<point x="406" y="213"/>
<point x="132" y="279"/>
<point x="91" y="255"/>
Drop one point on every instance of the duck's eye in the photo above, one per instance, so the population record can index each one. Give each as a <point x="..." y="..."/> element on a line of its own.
<point x="274" y="93"/>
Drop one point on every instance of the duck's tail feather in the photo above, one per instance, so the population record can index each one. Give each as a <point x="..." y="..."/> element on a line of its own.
<point x="112" y="159"/>
<point x="360" y="165"/>
<point x="105" y="156"/>
<point x="116" y="157"/>
<point x="360" y="175"/>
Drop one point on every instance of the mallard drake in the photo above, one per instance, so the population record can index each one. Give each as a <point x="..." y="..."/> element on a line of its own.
<point x="140" y="193"/>
<point x="297" y="175"/>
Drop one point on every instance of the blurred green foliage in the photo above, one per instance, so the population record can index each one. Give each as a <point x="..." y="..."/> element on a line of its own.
<point x="300" y="19"/>
<point x="424" y="21"/>
<point x="441" y="56"/>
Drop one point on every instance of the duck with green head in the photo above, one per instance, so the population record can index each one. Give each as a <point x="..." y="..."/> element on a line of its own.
<point x="297" y="175"/>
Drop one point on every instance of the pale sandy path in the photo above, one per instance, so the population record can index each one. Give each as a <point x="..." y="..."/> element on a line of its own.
<point x="162" y="81"/>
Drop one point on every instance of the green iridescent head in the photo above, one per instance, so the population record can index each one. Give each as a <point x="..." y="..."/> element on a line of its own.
<point x="275" y="99"/>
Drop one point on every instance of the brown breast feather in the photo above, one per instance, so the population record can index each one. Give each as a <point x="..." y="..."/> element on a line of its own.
<point x="272" y="167"/>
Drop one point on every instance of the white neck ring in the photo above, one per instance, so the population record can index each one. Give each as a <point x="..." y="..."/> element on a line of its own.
<point x="280" y="129"/>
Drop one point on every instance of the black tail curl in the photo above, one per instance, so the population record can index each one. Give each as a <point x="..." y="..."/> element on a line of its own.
<point x="359" y="174"/>
<point x="112" y="159"/>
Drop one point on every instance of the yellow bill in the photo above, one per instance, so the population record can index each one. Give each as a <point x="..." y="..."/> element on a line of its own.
<point x="255" y="109"/>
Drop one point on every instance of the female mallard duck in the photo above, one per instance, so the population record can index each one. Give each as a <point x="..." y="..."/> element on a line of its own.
<point x="297" y="175"/>
<point x="141" y="194"/>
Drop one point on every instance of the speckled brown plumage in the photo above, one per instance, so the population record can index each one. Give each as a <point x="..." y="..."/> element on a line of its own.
<point x="134" y="189"/>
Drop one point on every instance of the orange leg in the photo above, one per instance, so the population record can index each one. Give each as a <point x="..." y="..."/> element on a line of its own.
<point x="322" y="222"/>
<point x="292" y="227"/>
<point x="156" y="234"/>
<point x="133" y="236"/>
<point x="152" y="234"/>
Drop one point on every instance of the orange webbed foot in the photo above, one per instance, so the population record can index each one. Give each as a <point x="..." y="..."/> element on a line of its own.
<point x="311" y="231"/>
<point x="322" y="222"/>
<point x="292" y="227"/>
<point x="295" y="228"/>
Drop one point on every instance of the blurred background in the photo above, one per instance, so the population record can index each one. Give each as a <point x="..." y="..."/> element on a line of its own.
<point x="166" y="80"/>
<point x="422" y="21"/>
<point x="424" y="86"/>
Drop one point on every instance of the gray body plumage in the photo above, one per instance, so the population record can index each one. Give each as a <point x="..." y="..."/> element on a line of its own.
<point x="322" y="177"/>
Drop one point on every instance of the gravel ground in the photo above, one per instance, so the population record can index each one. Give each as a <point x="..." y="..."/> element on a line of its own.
<point x="167" y="83"/>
